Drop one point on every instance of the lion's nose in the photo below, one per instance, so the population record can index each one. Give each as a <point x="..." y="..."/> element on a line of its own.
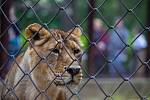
<point x="73" y="71"/>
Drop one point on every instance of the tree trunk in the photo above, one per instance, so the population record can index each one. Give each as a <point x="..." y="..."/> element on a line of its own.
<point x="147" y="70"/>
<point x="90" y="33"/>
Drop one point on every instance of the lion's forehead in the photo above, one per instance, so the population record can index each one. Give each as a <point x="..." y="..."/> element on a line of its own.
<point x="61" y="39"/>
<point x="59" y="34"/>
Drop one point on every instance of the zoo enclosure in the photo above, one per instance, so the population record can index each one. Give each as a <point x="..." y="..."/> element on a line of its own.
<point x="94" y="9"/>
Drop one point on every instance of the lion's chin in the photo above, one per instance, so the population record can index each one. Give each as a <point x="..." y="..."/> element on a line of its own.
<point x="69" y="82"/>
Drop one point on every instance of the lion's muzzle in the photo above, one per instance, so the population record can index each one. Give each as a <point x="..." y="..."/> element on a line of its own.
<point x="73" y="71"/>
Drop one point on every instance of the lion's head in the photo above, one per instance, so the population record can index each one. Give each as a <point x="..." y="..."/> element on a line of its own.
<point x="54" y="55"/>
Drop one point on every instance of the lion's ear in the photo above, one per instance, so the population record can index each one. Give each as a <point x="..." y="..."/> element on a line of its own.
<point x="38" y="33"/>
<point x="76" y="32"/>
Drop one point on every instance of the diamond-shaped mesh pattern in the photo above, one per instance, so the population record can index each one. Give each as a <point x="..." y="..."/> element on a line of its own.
<point x="104" y="87"/>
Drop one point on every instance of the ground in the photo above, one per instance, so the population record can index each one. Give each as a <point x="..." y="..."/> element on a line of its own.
<point x="91" y="91"/>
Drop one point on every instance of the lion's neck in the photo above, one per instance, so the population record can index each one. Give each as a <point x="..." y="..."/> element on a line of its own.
<point x="45" y="84"/>
<point x="41" y="79"/>
<point x="23" y="67"/>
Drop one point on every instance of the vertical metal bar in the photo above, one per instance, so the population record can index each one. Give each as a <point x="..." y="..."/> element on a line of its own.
<point x="90" y="33"/>
<point x="4" y="24"/>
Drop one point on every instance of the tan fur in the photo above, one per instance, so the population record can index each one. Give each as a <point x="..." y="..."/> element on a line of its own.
<point x="42" y="64"/>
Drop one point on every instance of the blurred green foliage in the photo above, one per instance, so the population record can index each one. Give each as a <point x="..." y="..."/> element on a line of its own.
<point x="109" y="9"/>
<point x="84" y="42"/>
<point x="45" y="10"/>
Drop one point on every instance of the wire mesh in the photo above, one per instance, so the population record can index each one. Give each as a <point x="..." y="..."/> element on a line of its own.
<point x="89" y="77"/>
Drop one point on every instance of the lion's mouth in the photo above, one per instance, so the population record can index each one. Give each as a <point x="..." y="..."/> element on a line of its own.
<point x="72" y="80"/>
<point x="63" y="83"/>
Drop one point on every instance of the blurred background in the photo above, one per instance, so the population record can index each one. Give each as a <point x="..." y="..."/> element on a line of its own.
<point x="115" y="40"/>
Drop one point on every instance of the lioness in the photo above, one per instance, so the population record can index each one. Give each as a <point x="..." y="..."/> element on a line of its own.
<point x="48" y="65"/>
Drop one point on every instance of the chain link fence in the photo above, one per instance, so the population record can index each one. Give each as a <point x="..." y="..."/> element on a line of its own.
<point x="99" y="79"/>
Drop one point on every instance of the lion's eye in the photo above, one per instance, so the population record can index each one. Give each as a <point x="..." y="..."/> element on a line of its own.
<point x="76" y="51"/>
<point x="55" y="50"/>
